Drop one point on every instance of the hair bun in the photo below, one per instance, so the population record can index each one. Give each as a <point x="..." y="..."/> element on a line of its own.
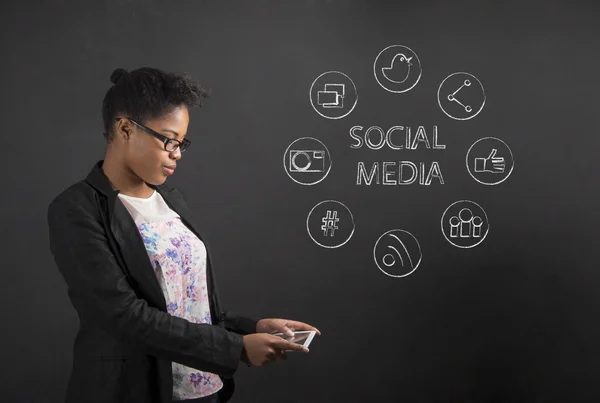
<point x="117" y="74"/>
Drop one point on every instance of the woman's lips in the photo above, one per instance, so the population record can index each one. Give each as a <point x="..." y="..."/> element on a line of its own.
<point x="168" y="171"/>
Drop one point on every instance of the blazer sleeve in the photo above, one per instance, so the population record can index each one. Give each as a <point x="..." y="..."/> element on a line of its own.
<point x="238" y="323"/>
<point x="100" y="292"/>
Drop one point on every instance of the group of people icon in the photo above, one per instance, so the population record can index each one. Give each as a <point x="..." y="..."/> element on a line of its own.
<point x="465" y="224"/>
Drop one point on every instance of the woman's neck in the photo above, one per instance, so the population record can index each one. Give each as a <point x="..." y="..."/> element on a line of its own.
<point x="123" y="179"/>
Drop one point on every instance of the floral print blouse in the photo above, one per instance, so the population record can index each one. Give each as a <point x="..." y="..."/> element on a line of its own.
<point x="179" y="260"/>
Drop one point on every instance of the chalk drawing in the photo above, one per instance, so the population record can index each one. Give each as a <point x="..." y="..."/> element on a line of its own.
<point x="461" y="96"/>
<point x="489" y="161"/>
<point x="397" y="68"/>
<point x="397" y="253"/>
<point x="307" y="161"/>
<point x="333" y="95"/>
<point x="465" y="224"/>
<point x="330" y="224"/>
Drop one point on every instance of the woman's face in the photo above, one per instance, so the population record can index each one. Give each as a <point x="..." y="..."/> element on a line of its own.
<point x="145" y="155"/>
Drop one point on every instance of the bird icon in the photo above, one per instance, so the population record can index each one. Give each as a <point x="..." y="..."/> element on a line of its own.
<point x="399" y="69"/>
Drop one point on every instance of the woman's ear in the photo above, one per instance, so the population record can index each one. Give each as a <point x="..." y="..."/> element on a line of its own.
<point x="123" y="129"/>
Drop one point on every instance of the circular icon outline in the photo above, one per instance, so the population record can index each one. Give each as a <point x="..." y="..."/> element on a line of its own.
<point x="377" y="78"/>
<point x="511" y="157"/>
<point x="486" y="219"/>
<point x="311" y="98"/>
<point x="286" y="153"/>
<point x="418" y="245"/>
<point x="482" y="90"/>
<point x="351" y="217"/>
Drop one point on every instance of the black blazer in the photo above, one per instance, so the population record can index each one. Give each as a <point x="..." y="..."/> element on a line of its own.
<point x="126" y="340"/>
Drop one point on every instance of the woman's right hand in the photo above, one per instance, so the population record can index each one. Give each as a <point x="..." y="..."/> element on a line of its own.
<point x="262" y="348"/>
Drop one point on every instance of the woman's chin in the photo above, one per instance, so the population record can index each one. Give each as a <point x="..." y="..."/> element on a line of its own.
<point x="156" y="181"/>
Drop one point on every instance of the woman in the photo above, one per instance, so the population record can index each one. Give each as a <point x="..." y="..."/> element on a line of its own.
<point x="137" y="269"/>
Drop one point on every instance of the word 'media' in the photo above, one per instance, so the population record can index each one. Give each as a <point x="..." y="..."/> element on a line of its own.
<point x="401" y="172"/>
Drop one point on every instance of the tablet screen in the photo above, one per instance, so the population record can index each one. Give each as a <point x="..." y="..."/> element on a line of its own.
<point x="299" y="338"/>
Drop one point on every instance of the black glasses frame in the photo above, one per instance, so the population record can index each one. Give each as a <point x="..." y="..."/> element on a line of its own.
<point x="182" y="145"/>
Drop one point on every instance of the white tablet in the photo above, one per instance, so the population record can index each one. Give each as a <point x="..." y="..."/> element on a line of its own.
<point x="303" y="337"/>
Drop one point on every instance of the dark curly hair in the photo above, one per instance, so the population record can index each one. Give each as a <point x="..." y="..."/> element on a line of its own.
<point x="146" y="94"/>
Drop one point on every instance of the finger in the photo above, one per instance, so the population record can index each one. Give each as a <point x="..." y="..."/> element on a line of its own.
<point x="296" y="346"/>
<point x="288" y="345"/>
<point x="492" y="153"/>
<point x="283" y="330"/>
<point x="282" y="326"/>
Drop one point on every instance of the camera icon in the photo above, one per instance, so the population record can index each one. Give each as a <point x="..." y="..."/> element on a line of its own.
<point x="307" y="161"/>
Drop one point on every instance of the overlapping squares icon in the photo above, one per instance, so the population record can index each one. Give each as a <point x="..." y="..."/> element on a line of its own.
<point x="332" y="96"/>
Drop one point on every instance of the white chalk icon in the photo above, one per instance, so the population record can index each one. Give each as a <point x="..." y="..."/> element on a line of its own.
<point x="489" y="161"/>
<point x="465" y="224"/>
<point x="397" y="253"/>
<point x="402" y="60"/>
<point x="461" y="96"/>
<point x="307" y="161"/>
<point x="491" y="164"/>
<point x="452" y="97"/>
<point x="330" y="224"/>
<point x="333" y="95"/>
<point x="397" y="68"/>
<point x="314" y="161"/>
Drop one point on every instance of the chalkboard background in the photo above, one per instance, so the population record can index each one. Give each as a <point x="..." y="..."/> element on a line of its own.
<point x="514" y="319"/>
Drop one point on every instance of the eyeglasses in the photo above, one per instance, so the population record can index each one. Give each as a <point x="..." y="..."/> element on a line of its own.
<point x="170" y="144"/>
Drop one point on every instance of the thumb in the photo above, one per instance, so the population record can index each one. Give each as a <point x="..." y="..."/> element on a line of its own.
<point x="287" y="331"/>
<point x="493" y="153"/>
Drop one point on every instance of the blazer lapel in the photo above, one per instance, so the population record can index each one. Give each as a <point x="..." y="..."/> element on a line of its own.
<point x="131" y="246"/>
<point x="134" y="253"/>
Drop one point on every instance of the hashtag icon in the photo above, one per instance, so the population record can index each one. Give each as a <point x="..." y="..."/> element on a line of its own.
<point x="329" y="222"/>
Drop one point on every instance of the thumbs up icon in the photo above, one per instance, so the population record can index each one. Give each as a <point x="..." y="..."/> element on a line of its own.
<point x="490" y="164"/>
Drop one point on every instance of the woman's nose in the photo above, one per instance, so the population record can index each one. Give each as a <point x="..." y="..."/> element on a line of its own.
<point x="176" y="153"/>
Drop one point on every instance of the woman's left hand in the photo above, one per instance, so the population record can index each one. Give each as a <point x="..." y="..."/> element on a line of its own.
<point x="285" y="326"/>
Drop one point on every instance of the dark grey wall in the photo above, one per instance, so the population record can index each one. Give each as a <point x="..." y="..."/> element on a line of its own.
<point x="514" y="319"/>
